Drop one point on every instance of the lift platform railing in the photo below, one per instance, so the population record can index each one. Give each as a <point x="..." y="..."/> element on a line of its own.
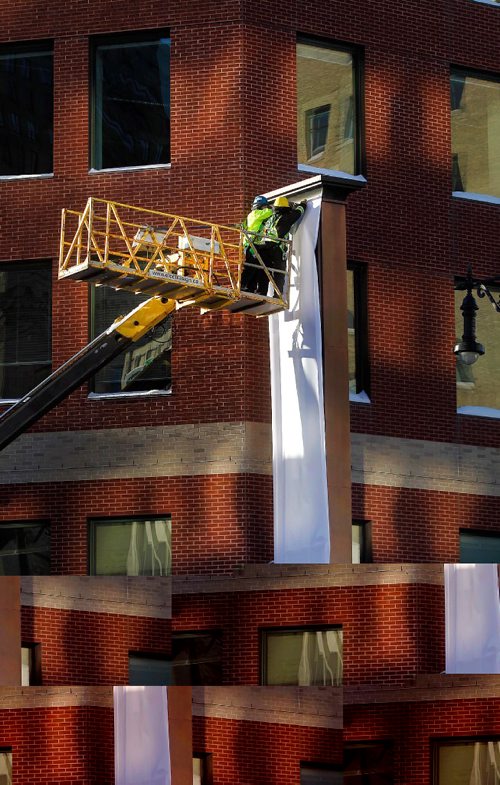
<point x="150" y="251"/>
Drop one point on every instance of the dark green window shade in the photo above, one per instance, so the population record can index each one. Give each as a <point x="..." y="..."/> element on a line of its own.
<point x="131" y="97"/>
<point x="26" y="110"/>
<point x="479" y="548"/>
<point x="143" y="367"/>
<point x="148" y="670"/>
<point x="24" y="548"/>
<point x="25" y="326"/>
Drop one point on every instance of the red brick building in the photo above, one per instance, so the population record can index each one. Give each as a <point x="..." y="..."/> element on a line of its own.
<point x="197" y="453"/>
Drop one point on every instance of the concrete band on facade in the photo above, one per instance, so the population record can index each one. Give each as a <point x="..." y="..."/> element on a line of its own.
<point x="125" y="596"/>
<point x="438" y="687"/>
<point x="315" y="707"/>
<point x="50" y="697"/>
<point x="239" y="448"/>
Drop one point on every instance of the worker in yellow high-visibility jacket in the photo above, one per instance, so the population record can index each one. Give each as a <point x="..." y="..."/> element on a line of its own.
<point x="254" y="222"/>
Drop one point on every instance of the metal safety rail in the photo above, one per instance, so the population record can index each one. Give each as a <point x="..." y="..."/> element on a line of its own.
<point x="190" y="261"/>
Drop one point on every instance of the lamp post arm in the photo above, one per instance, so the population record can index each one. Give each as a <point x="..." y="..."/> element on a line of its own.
<point x="483" y="291"/>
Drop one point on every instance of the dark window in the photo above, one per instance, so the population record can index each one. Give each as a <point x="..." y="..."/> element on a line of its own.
<point x="317" y="129"/>
<point x="320" y="774"/>
<point x="196" y="657"/>
<point x="131" y="101"/>
<point x="130" y="546"/>
<point x="309" y="656"/>
<point x="146" y="669"/>
<point x="329" y="106"/>
<point x="143" y="367"/>
<point x="202" y="768"/>
<point x="31" y="664"/>
<point x="26" y="113"/>
<point x="357" y="328"/>
<point x="361" y="542"/>
<point x="479" y="547"/>
<point x="369" y="763"/>
<point x="462" y="761"/>
<point x="25" y="326"/>
<point x="5" y="765"/>
<point x="24" y="548"/>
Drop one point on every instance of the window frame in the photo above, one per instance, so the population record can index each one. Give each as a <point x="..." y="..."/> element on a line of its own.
<point x="313" y="764"/>
<point x="358" y="67"/>
<point x="126" y="37"/>
<point x="364" y="743"/>
<point x="119" y="394"/>
<point x="360" y="288"/>
<point x="114" y="521"/>
<point x="450" y="741"/>
<point x="35" y="670"/>
<point x="146" y="655"/>
<point x="25" y="524"/>
<point x="8" y="750"/>
<point x="478" y="533"/>
<point x="264" y="631"/>
<point x="487" y="76"/>
<point x="215" y="632"/>
<point x="206" y="759"/>
<point x="44" y="45"/>
<point x="366" y="554"/>
<point x="33" y="264"/>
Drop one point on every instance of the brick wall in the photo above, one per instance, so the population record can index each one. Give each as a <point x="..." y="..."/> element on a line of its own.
<point x="70" y="745"/>
<point x="233" y="134"/>
<point x="391" y="632"/>
<point x="262" y="753"/>
<point x="413" y="726"/>
<point x="79" y="647"/>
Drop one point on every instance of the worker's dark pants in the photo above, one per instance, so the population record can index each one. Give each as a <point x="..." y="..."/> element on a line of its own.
<point x="254" y="279"/>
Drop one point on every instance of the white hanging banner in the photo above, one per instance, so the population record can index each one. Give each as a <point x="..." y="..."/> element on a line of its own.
<point x="301" y="528"/>
<point x="472" y="614"/>
<point x="142" y="749"/>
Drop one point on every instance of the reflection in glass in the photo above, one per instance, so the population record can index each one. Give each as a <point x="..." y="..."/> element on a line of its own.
<point x="325" y="108"/>
<point x="146" y="365"/>
<point x="478" y="385"/>
<point x="131" y="547"/>
<point x="24" y="548"/>
<point x="132" y="104"/>
<point x="303" y="657"/>
<point x="26" y="112"/>
<point x="25" y="327"/>
<point x="196" y="658"/>
<point x="475" y="134"/>
<point x="469" y="763"/>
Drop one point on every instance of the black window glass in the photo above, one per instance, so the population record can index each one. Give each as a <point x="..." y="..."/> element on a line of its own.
<point x="196" y="658"/>
<point x="24" y="548"/>
<point x="131" y="102"/>
<point x="146" y="365"/>
<point x="26" y="110"/>
<point x="147" y="670"/>
<point x="318" y="774"/>
<point x="369" y="763"/>
<point x="25" y="326"/>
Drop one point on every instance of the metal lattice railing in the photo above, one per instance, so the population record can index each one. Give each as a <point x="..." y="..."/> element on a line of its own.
<point x="132" y="247"/>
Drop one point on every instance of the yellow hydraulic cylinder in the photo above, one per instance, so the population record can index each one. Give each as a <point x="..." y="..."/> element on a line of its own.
<point x="143" y="318"/>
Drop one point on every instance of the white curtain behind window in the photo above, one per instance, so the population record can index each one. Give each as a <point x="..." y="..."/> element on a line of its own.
<point x="321" y="659"/>
<point x="149" y="551"/>
<point x="142" y="749"/>
<point x="486" y="766"/>
<point x="472" y="614"/>
<point x="301" y="530"/>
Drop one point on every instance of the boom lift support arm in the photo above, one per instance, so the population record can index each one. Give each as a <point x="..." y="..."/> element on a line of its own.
<point x="82" y="366"/>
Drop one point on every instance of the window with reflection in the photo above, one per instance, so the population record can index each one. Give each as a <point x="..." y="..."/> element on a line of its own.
<point x="25" y="326"/>
<point x="463" y="761"/>
<point x="24" y="548"/>
<point x="130" y="546"/>
<point x="131" y="101"/>
<point x="147" y="669"/>
<point x="357" y="331"/>
<point x="202" y="768"/>
<point x="369" y="763"/>
<point x="26" y="108"/>
<point x="320" y="774"/>
<point x="5" y="766"/>
<point x="361" y="542"/>
<point x="31" y="664"/>
<point x="479" y="547"/>
<point x="145" y="366"/>
<point x="196" y="657"/>
<point x="327" y="107"/>
<point x="478" y="385"/>
<point x="475" y="133"/>
<point x="307" y="657"/>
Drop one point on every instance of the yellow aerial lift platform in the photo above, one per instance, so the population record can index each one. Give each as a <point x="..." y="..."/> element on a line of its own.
<point x="147" y="251"/>
<point x="180" y="261"/>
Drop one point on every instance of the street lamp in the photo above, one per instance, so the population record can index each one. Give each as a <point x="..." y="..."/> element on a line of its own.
<point x="468" y="349"/>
